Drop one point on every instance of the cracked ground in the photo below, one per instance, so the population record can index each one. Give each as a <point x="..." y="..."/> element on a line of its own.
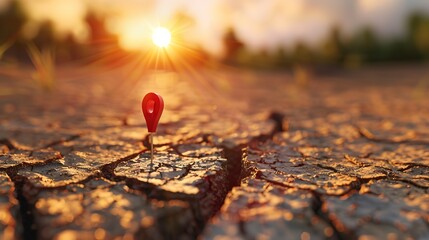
<point x="239" y="155"/>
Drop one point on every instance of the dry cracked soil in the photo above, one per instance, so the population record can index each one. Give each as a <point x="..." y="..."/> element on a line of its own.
<point x="239" y="155"/>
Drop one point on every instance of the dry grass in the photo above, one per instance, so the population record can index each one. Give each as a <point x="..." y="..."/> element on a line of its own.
<point x="44" y="63"/>
<point x="5" y="46"/>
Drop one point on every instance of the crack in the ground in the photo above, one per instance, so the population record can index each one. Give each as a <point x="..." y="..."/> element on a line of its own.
<point x="242" y="228"/>
<point x="54" y="143"/>
<point x="412" y="165"/>
<point x="14" y="169"/>
<point x="234" y="170"/>
<point x="317" y="205"/>
<point x="363" y="132"/>
<point x="29" y="230"/>
<point x="187" y="169"/>
<point x="7" y="143"/>
<point x="234" y="166"/>
<point x="409" y="182"/>
<point x="107" y="171"/>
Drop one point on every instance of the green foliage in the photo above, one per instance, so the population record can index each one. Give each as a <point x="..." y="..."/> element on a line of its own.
<point x="418" y="32"/>
<point x="332" y="49"/>
<point x="363" y="47"/>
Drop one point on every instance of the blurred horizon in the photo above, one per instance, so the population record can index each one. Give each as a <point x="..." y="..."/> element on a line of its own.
<point x="268" y="34"/>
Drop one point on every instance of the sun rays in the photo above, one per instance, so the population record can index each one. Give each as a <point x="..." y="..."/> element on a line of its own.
<point x="166" y="51"/>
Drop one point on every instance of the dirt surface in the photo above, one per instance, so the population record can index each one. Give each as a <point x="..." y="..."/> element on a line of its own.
<point x="239" y="155"/>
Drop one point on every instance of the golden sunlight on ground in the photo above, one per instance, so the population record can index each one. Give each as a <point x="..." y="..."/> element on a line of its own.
<point x="161" y="37"/>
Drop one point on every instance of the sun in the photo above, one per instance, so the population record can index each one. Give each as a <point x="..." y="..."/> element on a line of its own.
<point x="161" y="37"/>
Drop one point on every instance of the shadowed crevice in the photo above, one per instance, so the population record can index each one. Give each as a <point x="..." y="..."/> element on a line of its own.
<point x="108" y="169"/>
<point x="8" y="144"/>
<point x="71" y="138"/>
<point x="317" y="207"/>
<point x="28" y="229"/>
<point x="363" y="132"/>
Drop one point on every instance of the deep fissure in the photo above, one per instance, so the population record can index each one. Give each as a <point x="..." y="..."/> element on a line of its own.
<point x="318" y="211"/>
<point x="25" y="217"/>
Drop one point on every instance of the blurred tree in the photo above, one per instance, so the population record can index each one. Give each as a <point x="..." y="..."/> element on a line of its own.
<point x="333" y="47"/>
<point x="232" y="44"/>
<point x="101" y="43"/>
<point x="301" y="54"/>
<point x="418" y="31"/>
<point x="11" y="21"/>
<point x="98" y="32"/>
<point x="64" y="47"/>
<point x="365" y="45"/>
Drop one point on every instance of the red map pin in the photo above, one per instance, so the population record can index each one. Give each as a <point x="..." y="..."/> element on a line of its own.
<point x="152" y="107"/>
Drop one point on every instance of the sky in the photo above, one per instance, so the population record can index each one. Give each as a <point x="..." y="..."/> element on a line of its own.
<point x="260" y="24"/>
